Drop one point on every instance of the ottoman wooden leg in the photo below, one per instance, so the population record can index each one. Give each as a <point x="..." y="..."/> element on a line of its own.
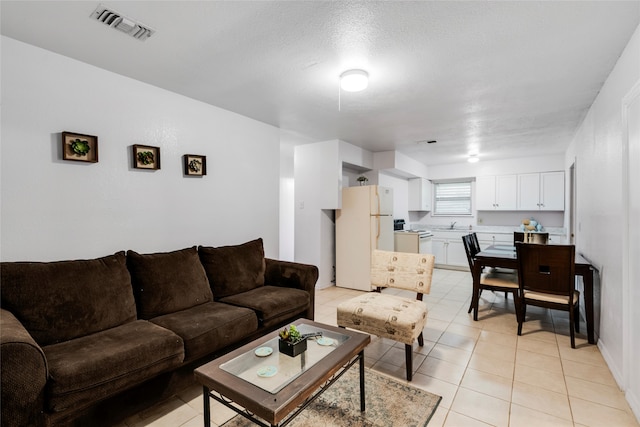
<point x="408" y="352"/>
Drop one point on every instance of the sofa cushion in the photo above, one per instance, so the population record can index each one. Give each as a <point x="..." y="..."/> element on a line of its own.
<point x="209" y="327"/>
<point x="273" y="304"/>
<point x="96" y="366"/>
<point x="166" y="282"/>
<point x="234" y="269"/>
<point x="59" y="301"/>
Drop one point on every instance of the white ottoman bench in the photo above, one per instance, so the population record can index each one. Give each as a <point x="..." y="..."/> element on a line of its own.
<point x="390" y="316"/>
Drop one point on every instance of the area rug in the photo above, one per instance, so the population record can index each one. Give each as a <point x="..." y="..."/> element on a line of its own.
<point x="388" y="403"/>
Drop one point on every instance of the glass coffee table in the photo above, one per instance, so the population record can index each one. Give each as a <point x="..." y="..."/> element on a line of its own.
<point x="270" y="388"/>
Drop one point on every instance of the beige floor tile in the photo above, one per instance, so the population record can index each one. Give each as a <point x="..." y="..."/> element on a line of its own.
<point x="583" y="371"/>
<point x="525" y="417"/>
<point x="399" y="373"/>
<point x="593" y="415"/>
<point x="442" y="370"/>
<point x="455" y="419"/>
<point x="482" y="407"/>
<point x="457" y="341"/>
<point x="376" y="348"/>
<point x="533" y="331"/>
<point x="492" y="385"/>
<point x="465" y="331"/>
<point x="588" y="354"/>
<point x="537" y="360"/>
<point x="193" y="422"/>
<point x="396" y="356"/>
<point x="170" y="413"/>
<point x="496" y="352"/>
<point x="438" y="417"/>
<point x="436" y="386"/>
<point x="441" y="314"/>
<point x="553" y="381"/>
<point x="490" y="365"/>
<point x="505" y="340"/>
<point x="536" y="346"/>
<point x="597" y="393"/>
<point x="451" y="354"/>
<point x="542" y="400"/>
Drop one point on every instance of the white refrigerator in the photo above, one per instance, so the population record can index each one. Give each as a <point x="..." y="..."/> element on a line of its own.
<point x="364" y="223"/>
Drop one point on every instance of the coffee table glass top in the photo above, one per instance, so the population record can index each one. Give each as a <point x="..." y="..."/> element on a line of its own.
<point x="265" y="367"/>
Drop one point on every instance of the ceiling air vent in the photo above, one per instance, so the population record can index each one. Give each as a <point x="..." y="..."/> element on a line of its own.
<point x="121" y="23"/>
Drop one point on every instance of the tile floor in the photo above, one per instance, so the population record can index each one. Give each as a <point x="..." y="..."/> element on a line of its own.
<point x="486" y="374"/>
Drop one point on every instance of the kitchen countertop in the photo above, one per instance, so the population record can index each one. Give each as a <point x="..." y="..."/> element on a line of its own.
<point x="554" y="231"/>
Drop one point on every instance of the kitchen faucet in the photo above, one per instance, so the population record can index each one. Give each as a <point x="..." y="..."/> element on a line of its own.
<point x="452" y="225"/>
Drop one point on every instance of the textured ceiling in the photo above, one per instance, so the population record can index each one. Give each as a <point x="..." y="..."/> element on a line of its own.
<point x="506" y="79"/>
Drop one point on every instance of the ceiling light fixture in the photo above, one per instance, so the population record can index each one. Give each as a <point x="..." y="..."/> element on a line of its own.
<point x="473" y="158"/>
<point x="354" y="80"/>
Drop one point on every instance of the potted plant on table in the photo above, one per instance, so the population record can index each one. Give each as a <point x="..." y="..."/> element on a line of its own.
<point x="292" y="342"/>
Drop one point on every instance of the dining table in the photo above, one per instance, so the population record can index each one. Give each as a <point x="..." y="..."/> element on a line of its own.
<point x="504" y="256"/>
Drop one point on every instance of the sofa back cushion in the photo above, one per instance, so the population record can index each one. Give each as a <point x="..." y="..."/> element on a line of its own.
<point x="59" y="301"/>
<point x="167" y="282"/>
<point x="234" y="269"/>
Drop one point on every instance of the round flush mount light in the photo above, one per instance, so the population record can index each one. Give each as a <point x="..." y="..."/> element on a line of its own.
<point x="354" y="80"/>
<point x="473" y="158"/>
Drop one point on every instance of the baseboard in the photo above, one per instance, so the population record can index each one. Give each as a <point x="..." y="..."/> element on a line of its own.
<point x="632" y="399"/>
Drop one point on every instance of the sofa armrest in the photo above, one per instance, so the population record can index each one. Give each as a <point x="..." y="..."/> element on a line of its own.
<point x="293" y="275"/>
<point x="23" y="374"/>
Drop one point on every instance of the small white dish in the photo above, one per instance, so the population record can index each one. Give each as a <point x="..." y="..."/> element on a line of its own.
<point x="325" y="341"/>
<point x="263" y="351"/>
<point x="267" y="371"/>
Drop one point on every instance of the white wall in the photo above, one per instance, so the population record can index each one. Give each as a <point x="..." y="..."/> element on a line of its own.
<point x="54" y="209"/>
<point x="598" y="152"/>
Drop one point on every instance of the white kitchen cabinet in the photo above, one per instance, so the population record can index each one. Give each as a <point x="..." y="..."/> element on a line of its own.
<point x="449" y="250"/>
<point x="490" y="239"/>
<point x="419" y="194"/>
<point x="541" y="191"/>
<point x="496" y="193"/>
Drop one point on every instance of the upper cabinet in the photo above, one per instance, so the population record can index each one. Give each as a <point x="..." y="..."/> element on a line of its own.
<point x="419" y="194"/>
<point x="496" y="193"/>
<point x="541" y="191"/>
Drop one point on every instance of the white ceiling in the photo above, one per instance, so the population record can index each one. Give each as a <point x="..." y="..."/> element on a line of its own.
<point x="508" y="78"/>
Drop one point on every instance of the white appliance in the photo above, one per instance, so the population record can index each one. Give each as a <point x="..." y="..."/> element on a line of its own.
<point x="414" y="241"/>
<point x="364" y="223"/>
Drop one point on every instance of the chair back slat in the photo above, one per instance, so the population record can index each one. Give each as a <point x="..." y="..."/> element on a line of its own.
<point x="402" y="270"/>
<point x="471" y="248"/>
<point x="546" y="268"/>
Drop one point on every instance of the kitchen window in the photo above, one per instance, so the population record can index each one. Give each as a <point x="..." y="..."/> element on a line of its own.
<point x="452" y="198"/>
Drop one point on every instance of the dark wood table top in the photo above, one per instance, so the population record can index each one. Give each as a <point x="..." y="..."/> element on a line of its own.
<point x="507" y="252"/>
<point x="274" y="407"/>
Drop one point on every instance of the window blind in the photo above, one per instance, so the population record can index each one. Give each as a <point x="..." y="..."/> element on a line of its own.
<point x="453" y="198"/>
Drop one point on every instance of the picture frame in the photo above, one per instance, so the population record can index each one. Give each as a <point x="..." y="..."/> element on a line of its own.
<point x="146" y="157"/>
<point x="79" y="147"/>
<point x="195" y="165"/>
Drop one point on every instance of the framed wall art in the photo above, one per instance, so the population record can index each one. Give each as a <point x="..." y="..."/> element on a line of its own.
<point x="79" y="147"/>
<point x="146" y="157"/>
<point x="195" y="165"/>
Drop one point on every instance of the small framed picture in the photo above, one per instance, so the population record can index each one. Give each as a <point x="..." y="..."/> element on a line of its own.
<point x="146" y="157"/>
<point x="195" y="165"/>
<point x="79" y="147"/>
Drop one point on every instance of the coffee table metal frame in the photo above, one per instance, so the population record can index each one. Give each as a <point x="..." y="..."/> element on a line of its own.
<point x="279" y="409"/>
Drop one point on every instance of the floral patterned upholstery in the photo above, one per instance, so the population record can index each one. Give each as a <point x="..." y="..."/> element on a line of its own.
<point x="398" y="318"/>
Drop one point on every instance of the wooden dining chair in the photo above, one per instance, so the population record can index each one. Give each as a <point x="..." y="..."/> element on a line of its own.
<point x="546" y="275"/>
<point x="492" y="280"/>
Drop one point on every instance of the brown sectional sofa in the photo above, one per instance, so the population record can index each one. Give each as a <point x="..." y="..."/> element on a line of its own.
<point x="76" y="335"/>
